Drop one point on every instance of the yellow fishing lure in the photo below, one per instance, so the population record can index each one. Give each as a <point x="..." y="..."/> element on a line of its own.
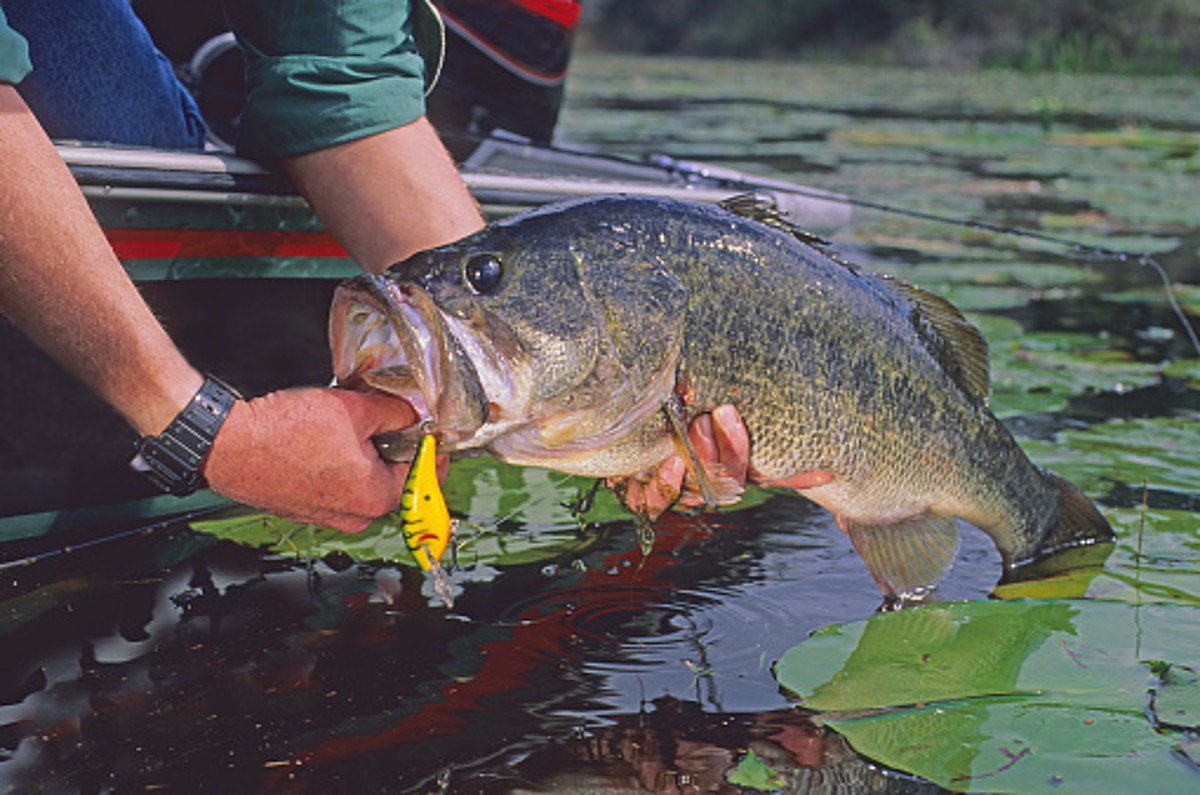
<point x="427" y="525"/>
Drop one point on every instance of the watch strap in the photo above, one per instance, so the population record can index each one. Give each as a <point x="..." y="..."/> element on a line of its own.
<point x="173" y="460"/>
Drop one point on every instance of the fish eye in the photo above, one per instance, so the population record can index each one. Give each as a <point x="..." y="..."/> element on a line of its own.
<point x="483" y="272"/>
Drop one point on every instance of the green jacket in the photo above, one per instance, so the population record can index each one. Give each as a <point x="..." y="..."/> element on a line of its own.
<point x="14" y="53"/>
<point x="321" y="73"/>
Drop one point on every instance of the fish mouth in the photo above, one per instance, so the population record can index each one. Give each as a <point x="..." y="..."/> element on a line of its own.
<point x="391" y="337"/>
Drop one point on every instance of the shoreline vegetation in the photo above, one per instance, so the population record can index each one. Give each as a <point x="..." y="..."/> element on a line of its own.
<point x="1133" y="37"/>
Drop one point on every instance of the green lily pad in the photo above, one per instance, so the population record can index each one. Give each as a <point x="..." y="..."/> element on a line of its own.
<point x="753" y="773"/>
<point x="1007" y="696"/>
<point x="1157" y="558"/>
<point x="1177" y="697"/>
<point x="1159" y="451"/>
<point x="1042" y="372"/>
<point x="1188" y="296"/>
<point x="1186" y="370"/>
<point x="508" y="515"/>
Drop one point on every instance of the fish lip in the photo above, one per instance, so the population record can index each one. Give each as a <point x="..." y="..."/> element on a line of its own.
<point x="440" y="384"/>
<point x="348" y="370"/>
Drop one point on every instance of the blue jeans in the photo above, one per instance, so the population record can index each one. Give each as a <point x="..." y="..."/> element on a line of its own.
<point x="98" y="77"/>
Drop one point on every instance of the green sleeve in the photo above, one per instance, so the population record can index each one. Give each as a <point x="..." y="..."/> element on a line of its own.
<point x="321" y="73"/>
<point x="14" y="53"/>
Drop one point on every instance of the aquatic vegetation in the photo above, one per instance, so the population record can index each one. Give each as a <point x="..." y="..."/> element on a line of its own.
<point x="1012" y="696"/>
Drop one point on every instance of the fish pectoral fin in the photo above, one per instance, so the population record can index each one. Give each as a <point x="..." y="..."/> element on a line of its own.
<point x="721" y="488"/>
<point x="907" y="555"/>
<point x="709" y="490"/>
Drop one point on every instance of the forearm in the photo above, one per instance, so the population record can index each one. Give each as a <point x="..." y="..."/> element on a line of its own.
<point x="61" y="283"/>
<point x="388" y="195"/>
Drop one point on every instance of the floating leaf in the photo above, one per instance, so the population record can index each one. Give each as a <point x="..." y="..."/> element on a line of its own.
<point x="1177" y="697"/>
<point x="754" y="773"/>
<point x="510" y="515"/>
<point x="1157" y="558"/>
<point x="1006" y="696"/>
<point x="1042" y="372"/>
<point x="1160" y="451"/>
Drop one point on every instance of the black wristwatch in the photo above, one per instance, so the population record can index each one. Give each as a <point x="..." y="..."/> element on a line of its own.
<point x="173" y="459"/>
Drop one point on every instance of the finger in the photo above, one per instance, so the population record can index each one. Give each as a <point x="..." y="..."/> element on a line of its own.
<point x="672" y="472"/>
<point x="732" y="441"/>
<point x="700" y="432"/>
<point x="372" y="413"/>
<point x="666" y="485"/>
<point x="809" y="479"/>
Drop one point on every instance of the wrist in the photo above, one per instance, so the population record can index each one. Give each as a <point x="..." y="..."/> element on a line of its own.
<point x="174" y="459"/>
<point x="163" y="401"/>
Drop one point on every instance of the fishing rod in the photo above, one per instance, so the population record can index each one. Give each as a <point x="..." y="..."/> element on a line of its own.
<point x="156" y="525"/>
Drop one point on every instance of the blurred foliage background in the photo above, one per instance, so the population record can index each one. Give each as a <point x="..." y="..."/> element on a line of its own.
<point x="1118" y="36"/>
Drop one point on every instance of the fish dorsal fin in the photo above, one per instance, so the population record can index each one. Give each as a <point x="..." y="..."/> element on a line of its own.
<point x="962" y="349"/>
<point x="764" y="211"/>
<point x="906" y="556"/>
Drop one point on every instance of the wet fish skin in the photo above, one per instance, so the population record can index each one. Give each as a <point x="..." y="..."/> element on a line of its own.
<point x="611" y="307"/>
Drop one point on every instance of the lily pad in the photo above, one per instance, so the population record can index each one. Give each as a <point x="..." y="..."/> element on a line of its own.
<point x="753" y="773"/>
<point x="1007" y="696"/>
<point x="508" y="515"/>
<point x="1158" y="451"/>
<point x="1177" y="697"/>
<point x="1185" y="370"/>
<point x="1042" y="372"/>
<point x="1157" y="558"/>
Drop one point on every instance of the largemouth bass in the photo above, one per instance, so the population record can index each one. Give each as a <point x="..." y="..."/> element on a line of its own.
<point x="583" y="336"/>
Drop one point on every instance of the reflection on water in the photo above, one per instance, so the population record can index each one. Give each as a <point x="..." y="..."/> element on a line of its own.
<point x="169" y="658"/>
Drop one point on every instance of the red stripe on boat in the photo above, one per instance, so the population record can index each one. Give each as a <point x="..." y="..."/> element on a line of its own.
<point x="137" y="244"/>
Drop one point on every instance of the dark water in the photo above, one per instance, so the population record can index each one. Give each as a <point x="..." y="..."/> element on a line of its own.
<point x="171" y="659"/>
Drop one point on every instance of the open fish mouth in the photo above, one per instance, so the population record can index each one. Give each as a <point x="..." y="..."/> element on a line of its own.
<point x="392" y="338"/>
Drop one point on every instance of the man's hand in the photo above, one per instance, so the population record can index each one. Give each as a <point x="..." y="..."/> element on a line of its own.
<point x="721" y="441"/>
<point x="306" y="455"/>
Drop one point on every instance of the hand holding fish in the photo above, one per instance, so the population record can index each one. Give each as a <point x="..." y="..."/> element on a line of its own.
<point x="306" y="454"/>
<point x="723" y="447"/>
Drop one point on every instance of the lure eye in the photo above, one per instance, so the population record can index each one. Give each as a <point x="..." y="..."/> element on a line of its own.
<point x="483" y="272"/>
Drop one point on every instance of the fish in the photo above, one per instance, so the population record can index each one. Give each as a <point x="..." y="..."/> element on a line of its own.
<point x="584" y="335"/>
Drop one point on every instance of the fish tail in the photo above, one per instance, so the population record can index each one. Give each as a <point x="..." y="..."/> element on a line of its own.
<point x="1081" y="535"/>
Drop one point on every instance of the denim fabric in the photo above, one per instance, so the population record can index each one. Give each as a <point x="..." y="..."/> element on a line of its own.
<point x="97" y="76"/>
